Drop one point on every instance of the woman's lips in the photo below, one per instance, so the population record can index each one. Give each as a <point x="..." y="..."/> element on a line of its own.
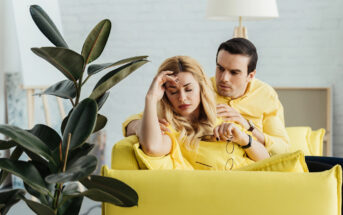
<point x="182" y="107"/>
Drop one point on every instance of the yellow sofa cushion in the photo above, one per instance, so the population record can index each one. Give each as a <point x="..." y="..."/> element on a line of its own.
<point x="123" y="157"/>
<point x="288" y="162"/>
<point x="303" y="138"/>
<point x="230" y="192"/>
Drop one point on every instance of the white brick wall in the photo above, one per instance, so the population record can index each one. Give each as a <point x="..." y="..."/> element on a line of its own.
<point x="304" y="47"/>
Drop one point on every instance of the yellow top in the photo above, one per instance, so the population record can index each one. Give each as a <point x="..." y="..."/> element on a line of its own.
<point x="218" y="155"/>
<point x="261" y="105"/>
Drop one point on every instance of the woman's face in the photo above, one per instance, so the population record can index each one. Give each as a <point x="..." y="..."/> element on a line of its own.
<point x="184" y="95"/>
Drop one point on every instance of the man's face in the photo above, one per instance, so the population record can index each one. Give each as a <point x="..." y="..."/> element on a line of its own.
<point x="232" y="74"/>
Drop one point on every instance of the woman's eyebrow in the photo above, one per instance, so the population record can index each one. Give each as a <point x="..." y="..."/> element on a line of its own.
<point x="172" y="86"/>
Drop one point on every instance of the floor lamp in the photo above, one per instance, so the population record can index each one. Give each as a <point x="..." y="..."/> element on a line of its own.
<point x="241" y="10"/>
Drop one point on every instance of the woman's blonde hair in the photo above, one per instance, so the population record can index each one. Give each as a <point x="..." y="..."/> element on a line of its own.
<point x="190" y="132"/>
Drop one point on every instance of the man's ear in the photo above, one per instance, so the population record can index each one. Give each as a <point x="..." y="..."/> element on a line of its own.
<point x="251" y="75"/>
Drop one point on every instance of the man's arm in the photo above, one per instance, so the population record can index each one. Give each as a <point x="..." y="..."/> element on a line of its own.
<point x="275" y="134"/>
<point x="131" y="124"/>
<point x="230" y="114"/>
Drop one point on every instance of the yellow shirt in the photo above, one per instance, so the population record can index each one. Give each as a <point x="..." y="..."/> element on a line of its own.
<point x="219" y="155"/>
<point x="261" y="105"/>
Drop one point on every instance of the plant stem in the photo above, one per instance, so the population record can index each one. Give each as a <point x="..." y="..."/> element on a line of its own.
<point x="59" y="186"/>
<point x="66" y="154"/>
<point x="85" y="80"/>
<point x="78" y="92"/>
<point x="80" y="85"/>
<point x="72" y="102"/>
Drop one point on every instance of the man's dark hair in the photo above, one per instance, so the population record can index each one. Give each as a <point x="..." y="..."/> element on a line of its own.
<point x="241" y="46"/>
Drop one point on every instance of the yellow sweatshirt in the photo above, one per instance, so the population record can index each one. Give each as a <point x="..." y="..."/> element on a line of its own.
<point x="261" y="105"/>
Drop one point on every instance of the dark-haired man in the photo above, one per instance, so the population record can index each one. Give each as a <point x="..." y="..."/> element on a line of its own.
<point x="242" y="98"/>
<point x="246" y="100"/>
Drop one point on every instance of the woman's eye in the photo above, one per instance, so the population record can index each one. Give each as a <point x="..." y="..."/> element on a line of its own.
<point x="173" y="93"/>
<point x="188" y="90"/>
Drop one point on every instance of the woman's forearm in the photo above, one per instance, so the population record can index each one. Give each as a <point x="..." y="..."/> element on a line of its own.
<point x="257" y="151"/>
<point x="150" y="136"/>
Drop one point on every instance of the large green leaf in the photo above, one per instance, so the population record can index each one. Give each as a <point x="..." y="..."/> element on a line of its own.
<point x="27" y="141"/>
<point x="100" y="196"/>
<point x="71" y="206"/>
<point x="96" y="41"/>
<point x="77" y="170"/>
<point x="95" y="68"/>
<point x="38" y="208"/>
<point x="102" y="99"/>
<point x="113" y="77"/>
<point x="80" y="124"/>
<point x="9" y="198"/>
<point x="67" y="61"/>
<point x="76" y="153"/>
<point x="101" y="122"/>
<point x="46" y="134"/>
<point x="65" y="89"/>
<point x="42" y="198"/>
<point x="65" y="120"/>
<point x="17" y="152"/>
<point x="47" y="26"/>
<point x="7" y="144"/>
<point x="114" y="187"/>
<point x="73" y="190"/>
<point x="26" y="171"/>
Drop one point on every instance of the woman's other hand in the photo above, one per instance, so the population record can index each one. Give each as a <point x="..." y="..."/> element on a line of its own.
<point x="230" y="132"/>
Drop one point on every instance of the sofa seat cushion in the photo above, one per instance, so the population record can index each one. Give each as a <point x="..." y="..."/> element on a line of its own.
<point x="230" y="192"/>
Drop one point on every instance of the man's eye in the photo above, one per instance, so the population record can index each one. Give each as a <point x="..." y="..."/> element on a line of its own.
<point x="221" y="68"/>
<point x="173" y="93"/>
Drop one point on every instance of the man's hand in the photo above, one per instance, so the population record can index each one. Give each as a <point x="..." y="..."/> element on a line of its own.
<point x="230" y="114"/>
<point x="134" y="126"/>
<point x="164" y="125"/>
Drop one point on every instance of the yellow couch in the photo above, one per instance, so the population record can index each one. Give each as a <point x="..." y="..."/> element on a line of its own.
<point x="228" y="192"/>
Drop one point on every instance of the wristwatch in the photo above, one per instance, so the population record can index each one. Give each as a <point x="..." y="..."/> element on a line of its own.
<point x="249" y="143"/>
<point x="252" y="126"/>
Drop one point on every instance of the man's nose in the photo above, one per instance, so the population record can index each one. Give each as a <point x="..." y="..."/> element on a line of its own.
<point x="226" y="76"/>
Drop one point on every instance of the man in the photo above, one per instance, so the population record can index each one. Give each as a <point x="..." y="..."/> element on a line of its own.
<point x="242" y="98"/>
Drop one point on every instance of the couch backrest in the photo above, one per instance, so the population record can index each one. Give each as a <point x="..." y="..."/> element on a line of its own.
<point x="303" y="138"/>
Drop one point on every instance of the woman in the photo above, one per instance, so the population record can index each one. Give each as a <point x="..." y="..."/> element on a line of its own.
<point x="181" y="94"/>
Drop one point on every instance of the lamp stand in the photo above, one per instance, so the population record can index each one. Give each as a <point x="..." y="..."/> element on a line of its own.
<point x="240" y="31"/>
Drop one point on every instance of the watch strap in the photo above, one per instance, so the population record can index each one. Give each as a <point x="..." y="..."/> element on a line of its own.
<point x="252" y="127"/>
<point x="249" y="143"/>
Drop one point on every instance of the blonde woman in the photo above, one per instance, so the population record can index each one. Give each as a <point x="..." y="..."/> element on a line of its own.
<point x="182" y="95"/>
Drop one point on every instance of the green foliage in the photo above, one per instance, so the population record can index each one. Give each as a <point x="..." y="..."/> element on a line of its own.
<point x="59" y="165"/>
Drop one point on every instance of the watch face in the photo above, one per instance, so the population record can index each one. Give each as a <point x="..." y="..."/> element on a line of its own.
<point x="252" y="126"/>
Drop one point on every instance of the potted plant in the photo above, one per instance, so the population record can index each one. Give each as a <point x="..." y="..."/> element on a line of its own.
<point x="59" y="164"/>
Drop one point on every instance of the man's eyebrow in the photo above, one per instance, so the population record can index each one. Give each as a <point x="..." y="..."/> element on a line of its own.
<point x="236" y="70"/>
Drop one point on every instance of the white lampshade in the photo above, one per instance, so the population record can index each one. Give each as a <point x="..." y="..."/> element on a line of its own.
<point x="247" y="9"/>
